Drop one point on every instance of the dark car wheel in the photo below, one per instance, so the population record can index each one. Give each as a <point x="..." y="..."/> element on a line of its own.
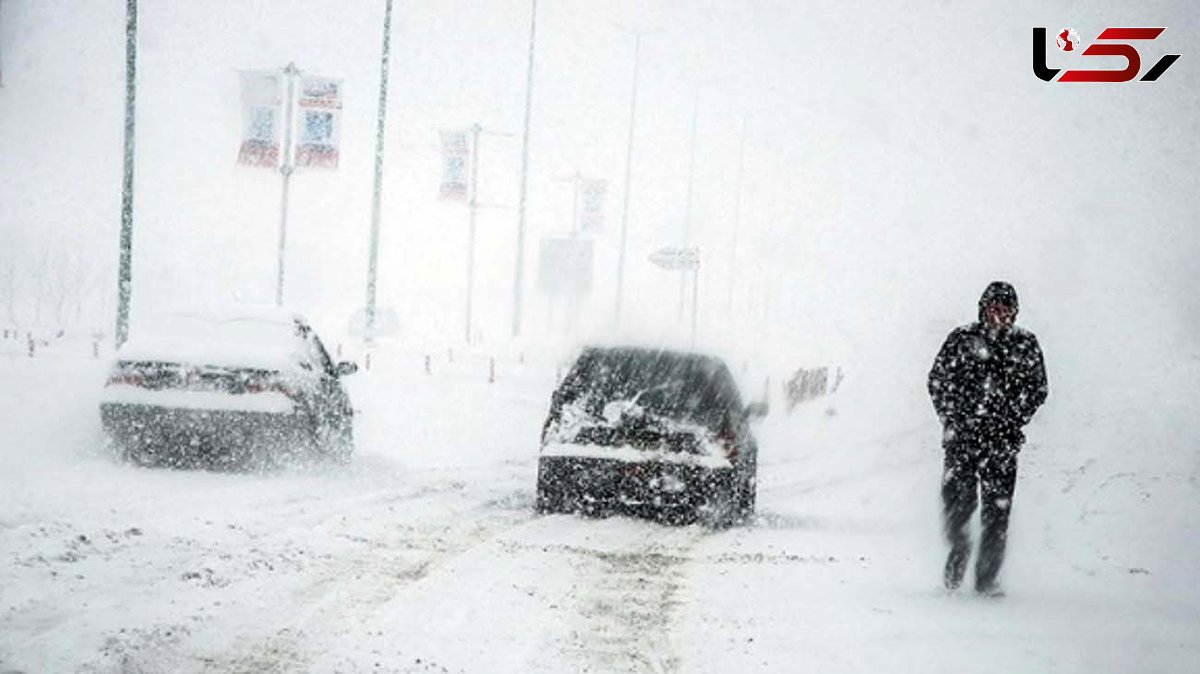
<point x="550" y="501"/>
<point x="546" y="504"/>
<point x="340" y="444"/>
<point x="748" y="494"/>
<point x="139" y="450"/>
<point x="717" y="504"/>
<point x="141" y="455"/>
<point x="717" y="512"/>
<point x="333" y="440"/>
<point x="252" y="458"/>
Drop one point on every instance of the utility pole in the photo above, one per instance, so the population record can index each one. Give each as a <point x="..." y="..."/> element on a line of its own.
<point x="737" y="218"/>
<point x="1" y="55"/>
<point x="695" y="300"/>
<point x="637" y="49"/>
<point x="573" y="315"/>
<point x="519" y="276"/>
<point x="473" y="206"/>
<point x="687" y="216"/>
<point x="124" y="277"/>
<point x="286" y="168"/>
<point x="377" y="190"/>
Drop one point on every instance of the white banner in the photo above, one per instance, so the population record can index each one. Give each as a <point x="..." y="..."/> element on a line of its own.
<point x="456" y="159"/>
<point x="591" y="205"/>
<point x="261" y="124"/>
<point x="319" y="108"/>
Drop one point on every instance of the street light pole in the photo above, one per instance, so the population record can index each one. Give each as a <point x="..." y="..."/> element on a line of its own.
<point x="473" y="206"/>
<point x="695" y="300"/>
<point x="377" y="190"/>
<point x="637" y="49"/>
<point x="286" y="168"/>
<point x="124" y="274"/>
<point x="737" y="217"/>
<point x="687" y="216"/>
<point x="519" y="275"/>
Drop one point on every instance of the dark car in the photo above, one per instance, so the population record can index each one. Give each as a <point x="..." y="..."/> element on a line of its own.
<point x="236" y="387"/>
<point x="653" y="433"/>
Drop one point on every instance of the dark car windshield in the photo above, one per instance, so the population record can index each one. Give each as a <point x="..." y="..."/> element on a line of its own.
<point x="682" y="387"/>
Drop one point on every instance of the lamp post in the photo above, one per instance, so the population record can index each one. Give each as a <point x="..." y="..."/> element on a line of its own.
<point x="377" y="190"/>
<point x="286" y="169"/>
<point x="687" y="214"/>
<point x="737" y="217"/>
<point x="637" y="50"/>
<point x="472" y="206"/>
<point x="124" y="273"/>
<point x="519" y="275"/>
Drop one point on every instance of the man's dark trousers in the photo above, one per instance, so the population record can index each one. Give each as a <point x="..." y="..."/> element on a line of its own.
<point x="989" y="464"/>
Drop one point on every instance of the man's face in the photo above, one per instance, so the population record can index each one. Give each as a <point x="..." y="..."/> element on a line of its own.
<point x="999" y="316"/>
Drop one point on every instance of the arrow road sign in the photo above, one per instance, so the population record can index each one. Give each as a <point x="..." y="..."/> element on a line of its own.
<point x="676" y="257"/>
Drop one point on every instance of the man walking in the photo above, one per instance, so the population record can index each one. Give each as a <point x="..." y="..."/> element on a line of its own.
<point x="986" y="383"/>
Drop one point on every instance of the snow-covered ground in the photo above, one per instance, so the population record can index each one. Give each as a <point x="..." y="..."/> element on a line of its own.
<point x="424" y="554"/>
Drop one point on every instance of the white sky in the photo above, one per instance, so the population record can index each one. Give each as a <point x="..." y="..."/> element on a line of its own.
<point x="898" y="157"/>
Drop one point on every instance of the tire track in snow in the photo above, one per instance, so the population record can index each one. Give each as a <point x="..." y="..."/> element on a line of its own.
<point x="313" y="565"/>
<point x="340" y="598"/>
<point x="630" y="590"/>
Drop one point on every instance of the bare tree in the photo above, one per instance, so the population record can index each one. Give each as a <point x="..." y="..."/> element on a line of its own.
<point x="9" y="289"/>
<point x="12" y="254"/>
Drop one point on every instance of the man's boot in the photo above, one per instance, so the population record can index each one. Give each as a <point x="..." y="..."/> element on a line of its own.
<point x="956" y="566"/>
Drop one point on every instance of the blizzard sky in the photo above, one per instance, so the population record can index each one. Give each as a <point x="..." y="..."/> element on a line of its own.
<point x="898" y="157"/>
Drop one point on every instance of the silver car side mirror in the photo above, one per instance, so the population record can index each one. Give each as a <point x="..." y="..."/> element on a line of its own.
<point x="757" y="410"/>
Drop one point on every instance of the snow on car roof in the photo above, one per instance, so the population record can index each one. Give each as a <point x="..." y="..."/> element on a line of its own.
<point x="264" y="313"/>
<point x="244" y="336"/>
<point x="668" y="353"/>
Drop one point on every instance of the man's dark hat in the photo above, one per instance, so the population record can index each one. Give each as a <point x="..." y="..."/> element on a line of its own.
<point x="999" y="291"/>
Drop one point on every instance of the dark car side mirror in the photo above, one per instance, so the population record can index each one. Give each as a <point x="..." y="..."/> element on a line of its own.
<point x="757" y="410"/>
<point x="346" y="368"/>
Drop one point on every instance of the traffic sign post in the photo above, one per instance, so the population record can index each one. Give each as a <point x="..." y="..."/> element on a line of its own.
<point x="677" y="258"/>
<point x="682" y="259"/>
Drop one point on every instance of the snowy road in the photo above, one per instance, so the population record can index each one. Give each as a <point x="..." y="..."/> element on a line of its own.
<point x="424" y="554"/>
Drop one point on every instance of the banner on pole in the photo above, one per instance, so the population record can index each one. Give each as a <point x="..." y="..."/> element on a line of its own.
<point x="261" y="99"/>
<point x="456" y="158"/>
<point x="591" y="205"/>
<point x="320" y="108"/>
<point x="565" y="266"/>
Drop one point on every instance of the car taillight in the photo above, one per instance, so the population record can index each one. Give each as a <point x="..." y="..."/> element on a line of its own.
<point x="728" y="442"/>
<point x="125" y="379"/>
<point x="272" y="385"/>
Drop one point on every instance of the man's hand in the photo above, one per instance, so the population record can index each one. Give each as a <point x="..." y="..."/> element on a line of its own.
<point x="1007" y="431"/>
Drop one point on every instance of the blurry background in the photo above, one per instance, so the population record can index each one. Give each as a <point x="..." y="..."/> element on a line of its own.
<point x="896" y="159"/>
